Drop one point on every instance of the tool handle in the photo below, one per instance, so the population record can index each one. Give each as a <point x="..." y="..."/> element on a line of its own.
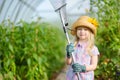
<point x="67" y="37"/>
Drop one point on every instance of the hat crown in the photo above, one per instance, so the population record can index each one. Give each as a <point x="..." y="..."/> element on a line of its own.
<point x="89" y="19"/>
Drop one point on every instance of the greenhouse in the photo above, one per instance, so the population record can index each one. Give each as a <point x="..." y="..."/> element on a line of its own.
<point x="34" y="35"/>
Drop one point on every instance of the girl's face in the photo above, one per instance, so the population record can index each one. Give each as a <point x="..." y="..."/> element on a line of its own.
<point x="83" y="33"/>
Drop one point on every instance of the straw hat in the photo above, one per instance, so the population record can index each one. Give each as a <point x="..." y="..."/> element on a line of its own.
<point x="85" y="21"/>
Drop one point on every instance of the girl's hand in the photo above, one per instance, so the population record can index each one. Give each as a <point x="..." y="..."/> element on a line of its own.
<point x="78" y="68"/>
<point x="69" y="49"/>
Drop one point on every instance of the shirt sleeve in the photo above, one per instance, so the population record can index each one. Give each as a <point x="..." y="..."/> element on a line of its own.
<point x="95" y="51"/>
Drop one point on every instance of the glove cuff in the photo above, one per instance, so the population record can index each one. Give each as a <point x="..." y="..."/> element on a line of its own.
<point x="83" y="68"/>
<point x="68" y="55"/>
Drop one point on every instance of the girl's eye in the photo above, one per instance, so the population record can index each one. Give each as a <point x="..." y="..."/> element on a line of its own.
<point x="85" y="29"/>
<point x="79" y="29"/>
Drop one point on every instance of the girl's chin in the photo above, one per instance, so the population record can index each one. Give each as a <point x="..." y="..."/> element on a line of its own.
<point x="82" y="38"/>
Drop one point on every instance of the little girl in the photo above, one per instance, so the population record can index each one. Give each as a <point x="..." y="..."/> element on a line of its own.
<point x="84" y="50"/>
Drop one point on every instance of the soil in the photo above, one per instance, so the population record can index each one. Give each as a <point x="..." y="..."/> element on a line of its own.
<point x="61" y="75"/>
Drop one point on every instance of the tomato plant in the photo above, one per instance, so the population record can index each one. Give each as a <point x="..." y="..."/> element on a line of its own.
<point x="30" y="51"/>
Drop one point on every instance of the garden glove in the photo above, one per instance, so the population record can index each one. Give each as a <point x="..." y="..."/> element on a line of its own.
<point x="69" y="49"/>
<point x="78" y="68"/>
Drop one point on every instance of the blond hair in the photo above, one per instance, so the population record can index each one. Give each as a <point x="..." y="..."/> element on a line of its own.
<point x="91" y="42"/>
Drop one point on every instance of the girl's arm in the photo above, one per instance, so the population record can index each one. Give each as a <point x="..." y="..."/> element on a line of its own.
<point x="69" y="61"/>
<point x="94" y="61"/>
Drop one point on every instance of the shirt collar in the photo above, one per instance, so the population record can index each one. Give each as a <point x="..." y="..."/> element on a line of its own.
<point x="82" y="44"/>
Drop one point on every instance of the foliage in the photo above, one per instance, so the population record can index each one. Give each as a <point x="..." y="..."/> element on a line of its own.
<point x="30" y="51"/>
<point x="108" y="39"/>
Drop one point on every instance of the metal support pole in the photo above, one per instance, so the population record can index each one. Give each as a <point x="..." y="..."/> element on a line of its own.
<point x="65" y="31"/>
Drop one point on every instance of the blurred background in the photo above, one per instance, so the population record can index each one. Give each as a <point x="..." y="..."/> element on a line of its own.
<point x="32" y="42"/>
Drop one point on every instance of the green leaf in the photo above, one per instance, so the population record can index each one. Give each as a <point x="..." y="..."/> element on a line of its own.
<point x="29" y="62"/>
<point x="11" y="48"/>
